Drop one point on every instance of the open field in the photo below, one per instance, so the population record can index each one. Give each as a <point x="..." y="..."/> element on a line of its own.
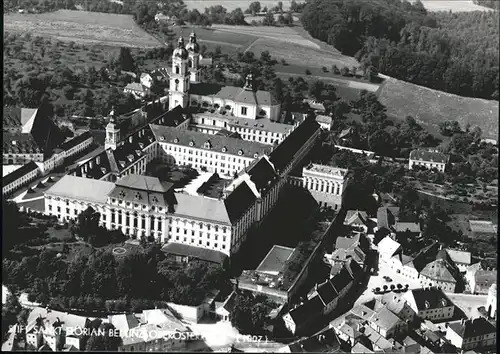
<point x="300" y="55"/>
<point x="430" y="107"/>
<point x="82" y="27"/>
<point x="452" y="5"/>
<point x="283" y="34"/>
<point x="230" y="5"/>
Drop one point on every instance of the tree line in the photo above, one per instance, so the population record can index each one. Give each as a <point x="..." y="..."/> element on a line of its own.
<point x="452" y="52"/>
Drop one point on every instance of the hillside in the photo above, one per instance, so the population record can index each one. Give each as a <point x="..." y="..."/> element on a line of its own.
<point x="430" y="107"/>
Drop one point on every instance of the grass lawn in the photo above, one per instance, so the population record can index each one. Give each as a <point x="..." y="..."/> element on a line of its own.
<point x="430" y="107"/>
<point x="207" y="35"/>
<point x="83" y="27"/>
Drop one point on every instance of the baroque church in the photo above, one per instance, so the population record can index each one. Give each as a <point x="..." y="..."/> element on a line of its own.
<point x="235" y="133"/>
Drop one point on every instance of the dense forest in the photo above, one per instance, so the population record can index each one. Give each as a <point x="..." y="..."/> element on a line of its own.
<point x="452" y="52"/>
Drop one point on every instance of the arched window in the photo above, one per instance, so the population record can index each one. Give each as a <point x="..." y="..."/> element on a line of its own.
<point x="177" y="70"/>
<point x="176" y="84"/>
<point x="190" y="63"/>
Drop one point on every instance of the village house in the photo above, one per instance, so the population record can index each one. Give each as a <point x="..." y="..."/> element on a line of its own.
<point x="462" y="259"/>
<point x="136" y="89"/>
<point x="471" y="334"/>
<point x="430" y="303"/>
<point x="429" y="159"/>
<point x="481" y="280"/>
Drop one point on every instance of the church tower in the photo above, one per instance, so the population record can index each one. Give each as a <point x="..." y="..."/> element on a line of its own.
<point x="112" y="132"/>
<point x="193" y="49"/>
<point x="179" y="78"/>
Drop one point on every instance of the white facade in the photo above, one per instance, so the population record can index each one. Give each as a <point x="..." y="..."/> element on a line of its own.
<point x="427" y="164"/>
<point x="214" y="161"/>
<point x="21" y="181"/>
<point x="483" y="340"/>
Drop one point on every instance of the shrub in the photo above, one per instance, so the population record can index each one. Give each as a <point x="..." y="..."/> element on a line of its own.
<point x="308" y="72"/>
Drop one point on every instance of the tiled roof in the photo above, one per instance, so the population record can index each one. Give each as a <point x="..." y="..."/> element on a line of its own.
<point x="87" y="189"/>
<point x="347" y="242"/>
<point x="233" y="93"/>
<point x="307" y="311"/>
<point x="387" y="216"/>
<point x="471" y="329"/>
<point x="360" y="348"/>
<point x="201" y="208"/>
<point x="19" y="143"/>
<point x="20" y="172"/>
<point x="214" y="143"/>
<point x="392" y="302"/>
<point x="230" y="302"/>
<point x="75" y="141"/>
<point x="284" y="153"/>
<point x="341" y="280"/>
<point x="429" y="298"/>
<point x="195" y="252"/>
<point x="239" y="201"/>
<point x="461" y="257"/>
<point x="261" y="124"/>
<point x="327" y="292"/>
<point x="388" y="246"/>
<point x="135" y="86"/>
<point x="356" y="217"/>
<point x="482" y="226"/>
<point x="143" y="190"/>
<point x="407" y="227"/>
<point x="385" y="319"/>
<point x="439" y="270"/>
<point x="323" y="119"/>
<point x="262" y="173"/>
<point x="425" y="256"/>
<point x="428" y="156"/>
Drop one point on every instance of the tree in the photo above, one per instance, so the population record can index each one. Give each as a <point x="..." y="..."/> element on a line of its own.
<point x="316" y="90"/>
<point x="125" y="59"/>
<point x="87" y="225"/>
<point x="248" y="315"/>
<point x="105" y="343"/>
<point x="269" y="19"/>
<point x="254" y="8"/>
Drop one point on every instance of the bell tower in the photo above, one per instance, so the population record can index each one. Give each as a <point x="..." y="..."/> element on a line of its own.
<point x="179" y="78"/>
<point x="193" y="49"/>
<point x="112" y="132"/>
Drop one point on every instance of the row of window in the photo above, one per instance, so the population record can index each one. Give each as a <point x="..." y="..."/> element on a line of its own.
<point x="189" y="151"/>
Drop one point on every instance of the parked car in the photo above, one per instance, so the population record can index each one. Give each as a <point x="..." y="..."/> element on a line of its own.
<point x="387" y="279"/>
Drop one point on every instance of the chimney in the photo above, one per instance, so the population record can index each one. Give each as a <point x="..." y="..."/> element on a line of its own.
<point x="98" y="160"/>
<point x="91" y="163"/>
<point x="130" y="139"/>
<point x="462" y="322"/>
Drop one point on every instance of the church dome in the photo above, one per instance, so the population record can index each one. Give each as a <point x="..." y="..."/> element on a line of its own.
<point x="192" y="46"/>
<point x="180" y="51"/>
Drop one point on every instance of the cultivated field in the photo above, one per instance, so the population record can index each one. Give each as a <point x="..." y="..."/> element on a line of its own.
<point x="230" y="5"/>
<point x="228" y="41"/>
<point x="82" y="27"/>
<point x="430" y="107"/>
<point x="301" y="55"/>
<point x="283" y="34"/>
<point x="453" y="6"/>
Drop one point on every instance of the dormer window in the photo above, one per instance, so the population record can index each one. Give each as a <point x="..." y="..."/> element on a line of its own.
<point x="191" y="143"/>
<point x="255" y="155"/>
<point x="141" y="145"/>
<point x="240" y="152"/>
<point x="176" y="140"/>
<point x="207" y="145"/>
<point x="122" y="163"/>
<point x="162" y="138"/>
<point x="224" y="149"/>
<point x="130" y="157"/>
